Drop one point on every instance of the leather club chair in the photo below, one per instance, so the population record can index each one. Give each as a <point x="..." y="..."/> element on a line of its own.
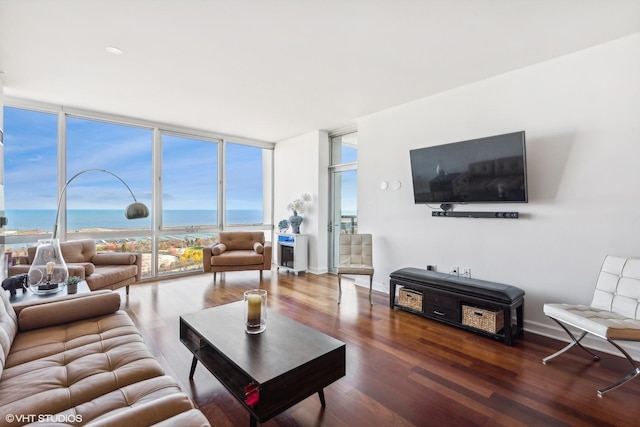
<point x="237" y="251"/>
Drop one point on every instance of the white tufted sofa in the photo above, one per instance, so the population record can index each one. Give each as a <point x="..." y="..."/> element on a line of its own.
<point x="614" y="313"/>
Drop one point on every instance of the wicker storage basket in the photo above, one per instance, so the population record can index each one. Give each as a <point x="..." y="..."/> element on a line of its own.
<point x="410" y="298"/>
<point x="479" y="318"/>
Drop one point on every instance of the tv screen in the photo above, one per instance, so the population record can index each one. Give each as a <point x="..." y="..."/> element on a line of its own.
<point x="484" y="170"/>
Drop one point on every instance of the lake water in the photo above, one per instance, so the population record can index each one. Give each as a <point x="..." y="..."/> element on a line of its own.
<point x="115" y="219"/>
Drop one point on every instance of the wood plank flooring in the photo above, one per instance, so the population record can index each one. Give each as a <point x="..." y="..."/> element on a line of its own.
<point x="402" y="370"/>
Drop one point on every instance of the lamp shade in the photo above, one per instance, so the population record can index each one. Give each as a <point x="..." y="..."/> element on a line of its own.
<point x="136" y="210"/>
<point x="48" y="272"/>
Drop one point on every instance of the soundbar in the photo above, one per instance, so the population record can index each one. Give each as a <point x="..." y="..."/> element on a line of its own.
<point x="512" y="215"/>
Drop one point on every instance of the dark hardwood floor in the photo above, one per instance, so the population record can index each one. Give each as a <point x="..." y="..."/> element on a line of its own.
<point x="402" y="370"/>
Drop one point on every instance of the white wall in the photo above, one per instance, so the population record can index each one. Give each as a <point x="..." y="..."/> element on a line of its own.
<point x="581" y="117"/>
<point x="301" y="166"/>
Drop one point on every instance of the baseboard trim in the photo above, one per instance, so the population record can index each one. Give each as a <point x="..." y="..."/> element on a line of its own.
<point x="364" y="282"/>
<point x="313" y="270"/>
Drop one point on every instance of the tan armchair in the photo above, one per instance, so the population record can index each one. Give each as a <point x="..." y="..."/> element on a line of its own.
<point x="355" y="257"/>
<point x="101" y="270"/>
<point x="237" y="251"/>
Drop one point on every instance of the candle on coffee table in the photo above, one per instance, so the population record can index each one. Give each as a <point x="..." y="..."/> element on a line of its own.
<point x="254" y="309"/>
<point x="255" y="306"/>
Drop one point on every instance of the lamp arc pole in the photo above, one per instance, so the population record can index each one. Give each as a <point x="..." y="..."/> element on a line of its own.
<point x="134" y="211"/>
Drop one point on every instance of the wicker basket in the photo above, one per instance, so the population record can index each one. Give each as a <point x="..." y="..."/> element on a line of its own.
<point x="479" y="318"/>
<point x="410" y="298"/>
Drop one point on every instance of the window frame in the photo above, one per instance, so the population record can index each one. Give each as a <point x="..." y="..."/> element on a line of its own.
<point x="157" y="129"/>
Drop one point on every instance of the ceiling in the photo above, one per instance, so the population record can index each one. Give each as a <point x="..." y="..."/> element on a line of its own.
<point x="273" y="69"/>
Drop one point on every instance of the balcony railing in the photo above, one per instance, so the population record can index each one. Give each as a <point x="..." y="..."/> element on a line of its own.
<point x="349" y="224"/>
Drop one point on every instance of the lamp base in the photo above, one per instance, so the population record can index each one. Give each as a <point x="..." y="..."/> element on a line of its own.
<point x="46" y="288"/>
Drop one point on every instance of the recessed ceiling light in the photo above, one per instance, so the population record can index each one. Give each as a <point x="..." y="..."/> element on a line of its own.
<point x="114" y="50"/>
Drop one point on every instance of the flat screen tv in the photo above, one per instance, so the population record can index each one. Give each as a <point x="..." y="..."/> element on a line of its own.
<point x="483" y="170"/>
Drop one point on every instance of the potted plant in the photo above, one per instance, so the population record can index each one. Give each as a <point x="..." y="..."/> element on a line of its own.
<point x="72" y="284"/>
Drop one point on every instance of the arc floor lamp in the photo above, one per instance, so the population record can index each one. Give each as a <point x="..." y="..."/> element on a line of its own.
<point x="48" y="271"/>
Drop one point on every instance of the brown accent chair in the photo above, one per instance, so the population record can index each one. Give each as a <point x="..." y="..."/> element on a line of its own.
<point x="355" y="257"/>
<point x="101" y="270"/>
<point x="237" y="251"/>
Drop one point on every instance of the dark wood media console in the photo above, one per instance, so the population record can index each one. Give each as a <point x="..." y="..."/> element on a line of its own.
<point x="444" y="297"/>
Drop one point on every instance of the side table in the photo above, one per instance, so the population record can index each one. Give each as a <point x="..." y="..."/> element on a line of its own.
<point x="291" y="252"/>
<point x="24" y="298"/>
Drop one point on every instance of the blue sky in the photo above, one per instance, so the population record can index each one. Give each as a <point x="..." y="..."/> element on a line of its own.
<point x="189" y="166"/>
<point x="29" y="173"/>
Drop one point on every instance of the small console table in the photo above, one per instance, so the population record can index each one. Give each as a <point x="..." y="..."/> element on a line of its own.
<point x="291" y="252"/>
<point x="445" y="296"/>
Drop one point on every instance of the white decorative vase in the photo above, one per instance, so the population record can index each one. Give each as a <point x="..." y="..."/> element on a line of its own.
<point x="295" y="220"/>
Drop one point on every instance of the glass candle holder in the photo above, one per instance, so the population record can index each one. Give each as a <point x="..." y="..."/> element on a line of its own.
<point x="255" y="310"/>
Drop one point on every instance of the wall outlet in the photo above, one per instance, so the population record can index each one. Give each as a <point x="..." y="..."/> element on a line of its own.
<point x="466" y="271"/>
<point x="455" y="270"/>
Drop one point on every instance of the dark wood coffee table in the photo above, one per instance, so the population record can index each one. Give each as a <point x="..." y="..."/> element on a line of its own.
<point x="288" y="362"/>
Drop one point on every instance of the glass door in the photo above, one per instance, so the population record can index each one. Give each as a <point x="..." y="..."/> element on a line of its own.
<point x="343" y="187"/>
<point x="344" y="210"/>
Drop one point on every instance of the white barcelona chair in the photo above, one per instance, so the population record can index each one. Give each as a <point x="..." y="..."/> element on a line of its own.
<point x="613" y="315"/>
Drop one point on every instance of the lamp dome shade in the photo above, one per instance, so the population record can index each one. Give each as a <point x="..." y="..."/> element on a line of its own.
<point x="136" y="210"/>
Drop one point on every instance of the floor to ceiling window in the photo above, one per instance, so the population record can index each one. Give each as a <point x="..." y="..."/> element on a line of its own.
<point x="30" y="150"/>
<point x="246" y="191"/>
<point x="30" y="176"/>
<point x="95" y="202"/>
<point x="189" y="201"/>
<point x="175" y="173"/>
